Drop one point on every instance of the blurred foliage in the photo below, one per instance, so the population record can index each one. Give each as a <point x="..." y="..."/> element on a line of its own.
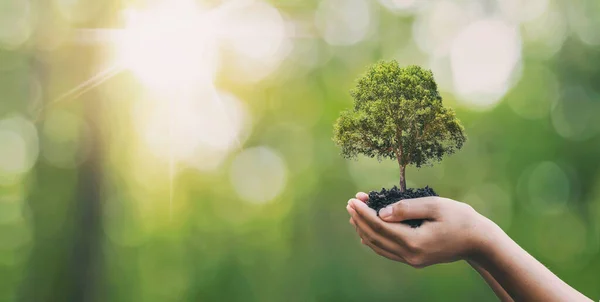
<point x="91" y="209"/>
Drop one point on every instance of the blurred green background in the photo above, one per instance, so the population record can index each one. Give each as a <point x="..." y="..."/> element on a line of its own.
<point x="181" y="151"/>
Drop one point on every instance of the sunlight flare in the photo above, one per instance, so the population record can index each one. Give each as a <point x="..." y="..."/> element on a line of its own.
<point x="170" y="47"/>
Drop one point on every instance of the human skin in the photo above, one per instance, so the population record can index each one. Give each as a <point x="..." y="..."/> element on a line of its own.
<point x="454" y="231"/>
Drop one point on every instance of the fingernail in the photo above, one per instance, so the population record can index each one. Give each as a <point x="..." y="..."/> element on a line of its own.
<point x="385" y="212"/>
<point x="349" y="201"/>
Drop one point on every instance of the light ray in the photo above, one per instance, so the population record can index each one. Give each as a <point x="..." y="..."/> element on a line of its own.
<point x="89" y="84"/>
<point x="81" y="89"/>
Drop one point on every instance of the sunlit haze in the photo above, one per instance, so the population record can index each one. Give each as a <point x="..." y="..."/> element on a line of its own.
<point x="181" y="150"/>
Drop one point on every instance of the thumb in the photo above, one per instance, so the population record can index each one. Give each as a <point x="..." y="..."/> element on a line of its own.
<point x="362" y="196"/>
<point x="418" y="208"/>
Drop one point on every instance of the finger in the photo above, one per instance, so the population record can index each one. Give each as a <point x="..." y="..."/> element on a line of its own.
<point x="369" y="216"/>
<point x="356" y="229"/>
<point x="353" y="223"/>
<point x="349" y="207"/>
<point x="374" y="238"/>
<point x="378" y="250"/>
<point x="417" y="208"/>
<point x="397" y="233"/>
<point x="382" y="252"/>
<point x="362" y="196"/>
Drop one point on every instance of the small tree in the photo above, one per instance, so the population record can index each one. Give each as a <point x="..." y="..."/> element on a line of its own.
<point x="398" y="114"/>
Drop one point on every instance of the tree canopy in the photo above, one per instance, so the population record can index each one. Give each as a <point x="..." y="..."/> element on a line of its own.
<point x="398" y="114"/>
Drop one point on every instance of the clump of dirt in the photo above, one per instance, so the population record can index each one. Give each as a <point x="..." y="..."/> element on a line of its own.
<point x="379" y="200"/>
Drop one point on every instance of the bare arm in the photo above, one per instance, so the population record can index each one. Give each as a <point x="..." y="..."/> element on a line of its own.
<point x="454" y="231"/>
<point x="523" y="277"/>
<point x="494" y="285"/>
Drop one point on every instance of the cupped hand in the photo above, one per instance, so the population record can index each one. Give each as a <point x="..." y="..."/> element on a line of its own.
<point x="451" y="231"/>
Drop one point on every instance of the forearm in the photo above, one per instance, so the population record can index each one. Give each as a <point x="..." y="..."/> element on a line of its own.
<point x="489" y="279"/>
<point x="518" y="273"/>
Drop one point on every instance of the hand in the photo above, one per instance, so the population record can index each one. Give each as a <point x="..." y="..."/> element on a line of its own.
<point x="451" y="231"/>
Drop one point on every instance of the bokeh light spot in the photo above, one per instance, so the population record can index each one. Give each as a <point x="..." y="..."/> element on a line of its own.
<point x="15" y="22"/>
<point x="484" y="58"/>
<point x="294" y="143"/>
<point x="435" y="29"/>
<point x="522" y="10"/>
<point x="12" y="153"/>
<point x="169" y="47"/>
<point x="548" y="188"/>
<point x="179" y="127"/>
<point x="535" y="93"/>
<point x="343" y="22"/>
<point x="244" y="24"/>
<point x="252" y="21"/>
<point x="575" y="116"/>
<point x="258" y="175"/>
<point x="18" y="150"/>
<point x="440" y="66"/>
<point x="491" y="201"/>
<point x="584" y="20"/>
<point x="545" y="34"/>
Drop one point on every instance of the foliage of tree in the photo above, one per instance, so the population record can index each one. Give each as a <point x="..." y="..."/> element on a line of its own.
<point x="398" y="114"/>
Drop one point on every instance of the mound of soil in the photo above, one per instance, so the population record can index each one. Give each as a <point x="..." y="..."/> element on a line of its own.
<point x="378" y="200"/>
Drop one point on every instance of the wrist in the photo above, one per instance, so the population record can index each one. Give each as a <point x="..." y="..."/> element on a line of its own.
<point x="486" y="238"/>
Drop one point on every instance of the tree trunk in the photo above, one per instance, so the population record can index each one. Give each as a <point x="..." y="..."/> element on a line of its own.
<point x="402" y="178"/>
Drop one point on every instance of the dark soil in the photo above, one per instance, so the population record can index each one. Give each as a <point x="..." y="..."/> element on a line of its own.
<point x="378" y="200"/>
